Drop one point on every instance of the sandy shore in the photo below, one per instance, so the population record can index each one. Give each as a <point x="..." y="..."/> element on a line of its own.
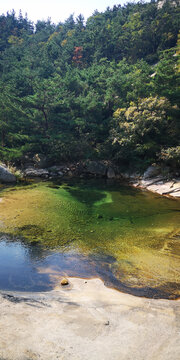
<point x="88" y="321"/>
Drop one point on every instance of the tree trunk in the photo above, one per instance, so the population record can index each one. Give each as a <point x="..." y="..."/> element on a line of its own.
<point x="46" y="119"/>
<point x="2" y="138"/>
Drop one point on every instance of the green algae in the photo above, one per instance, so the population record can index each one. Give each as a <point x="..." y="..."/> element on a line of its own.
<point x="106" y="200"/>
<point x="138" y="229"/>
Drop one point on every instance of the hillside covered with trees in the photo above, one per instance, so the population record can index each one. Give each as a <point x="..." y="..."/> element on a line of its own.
<point x="107" y="88"/>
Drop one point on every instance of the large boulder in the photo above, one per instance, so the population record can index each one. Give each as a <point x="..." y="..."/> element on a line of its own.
<point x="6" y="176"/>
<point x="151" y="172"/>
<point x="96" y="168"/>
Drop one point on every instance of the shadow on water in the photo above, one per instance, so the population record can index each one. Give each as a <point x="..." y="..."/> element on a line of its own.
<point x="128" y="238"/>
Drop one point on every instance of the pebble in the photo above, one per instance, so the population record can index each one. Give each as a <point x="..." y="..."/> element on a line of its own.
<point x="106" y="323"/>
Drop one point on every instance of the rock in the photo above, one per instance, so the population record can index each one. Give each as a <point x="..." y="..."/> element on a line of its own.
<point x="64" y="282"/>
<point x="6" y="176"/>
<point x="56" y="169"/>
<point x="134" y="176"/>
<point x="106" y="322"/>
<point x="158" y="179"/>
<point x="125" y="175"/>
<point x="40" y="161"/>
<point x="152" y="171"/>
<point x="96" y="168"/>
<point x="31" y="172"/>
<point x="119" y="177"/>
<point x="111" y="173"/>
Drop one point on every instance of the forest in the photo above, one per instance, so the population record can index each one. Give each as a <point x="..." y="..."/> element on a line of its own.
<point x="103" y="89"/>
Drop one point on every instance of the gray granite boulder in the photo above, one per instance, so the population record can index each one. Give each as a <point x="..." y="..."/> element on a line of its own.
<point x="6" y="176"/>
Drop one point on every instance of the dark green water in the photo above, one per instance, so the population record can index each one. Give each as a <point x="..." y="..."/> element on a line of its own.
<point x="129" y="238"/>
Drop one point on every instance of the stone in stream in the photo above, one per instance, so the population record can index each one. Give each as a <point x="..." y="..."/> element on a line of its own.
<point x="64" y="282"/>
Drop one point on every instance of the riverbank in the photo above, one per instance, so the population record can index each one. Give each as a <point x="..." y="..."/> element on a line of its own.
<point x="88" y="321"/>
<point x="155" y="178"/>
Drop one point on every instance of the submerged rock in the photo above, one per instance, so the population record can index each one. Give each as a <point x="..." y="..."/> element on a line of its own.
<point x="6" y="176"/>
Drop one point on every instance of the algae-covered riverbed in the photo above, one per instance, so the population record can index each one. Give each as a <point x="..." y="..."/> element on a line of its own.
<point x="127" y="237"/>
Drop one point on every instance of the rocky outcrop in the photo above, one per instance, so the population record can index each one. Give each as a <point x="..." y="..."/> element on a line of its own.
<point x="161" y="186"/>
<point x="152" y="171"/>
<point x="97" y="168"/>
<point x="32" y="172"/>
<point x="155" y="180"/>
<point x="80" y="169"/>
<point x="6" y="176"/>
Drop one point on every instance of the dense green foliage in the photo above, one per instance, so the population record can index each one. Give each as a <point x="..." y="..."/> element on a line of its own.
<point x="107" y="89"/>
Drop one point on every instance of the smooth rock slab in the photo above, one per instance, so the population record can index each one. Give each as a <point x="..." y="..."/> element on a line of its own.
<point x="88" y="322"/>
<point x="160" y="186"/>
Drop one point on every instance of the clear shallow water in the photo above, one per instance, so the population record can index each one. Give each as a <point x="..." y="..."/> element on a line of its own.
<point x="129" y="238"/>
